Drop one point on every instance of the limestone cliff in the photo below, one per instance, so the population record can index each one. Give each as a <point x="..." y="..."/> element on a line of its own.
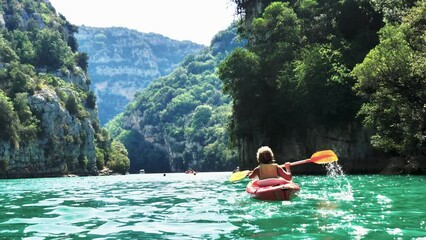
<point x="49" y="119"/>
<point x="65" y="144"/>
<point x="123" y="61"/>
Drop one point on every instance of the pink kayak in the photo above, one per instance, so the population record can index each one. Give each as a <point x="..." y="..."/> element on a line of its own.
<point x="273" y="189"/>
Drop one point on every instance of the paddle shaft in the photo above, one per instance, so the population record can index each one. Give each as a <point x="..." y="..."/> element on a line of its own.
<point x="308" y="160"/>
<point x="301" y="162"/>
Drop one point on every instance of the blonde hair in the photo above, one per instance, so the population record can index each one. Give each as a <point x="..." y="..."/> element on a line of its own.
<point x="265" y="155"/>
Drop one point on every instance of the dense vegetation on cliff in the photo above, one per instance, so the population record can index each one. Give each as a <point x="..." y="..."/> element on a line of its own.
<point x="181" y="120"/>
<point x="392" y="80"/>
<point x="48" y="115"/>
<point x="123" y="61"/>
<point x="330" y="63"/>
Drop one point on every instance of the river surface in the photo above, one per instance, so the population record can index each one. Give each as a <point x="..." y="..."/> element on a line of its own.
<point x="208" y="206"/>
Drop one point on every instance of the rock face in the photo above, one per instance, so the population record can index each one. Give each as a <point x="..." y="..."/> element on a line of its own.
<point x="63" y="112"/>
<point x="350" y="143"/>
<point x="413" y="165"/>
<point x="65" y="144"/>
<point x="124" y="61"/>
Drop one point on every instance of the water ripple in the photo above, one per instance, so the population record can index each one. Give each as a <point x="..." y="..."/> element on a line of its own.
<point x="207" y="206"/>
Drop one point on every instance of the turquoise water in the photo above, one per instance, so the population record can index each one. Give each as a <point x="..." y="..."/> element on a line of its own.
<point x="207" y="206"/>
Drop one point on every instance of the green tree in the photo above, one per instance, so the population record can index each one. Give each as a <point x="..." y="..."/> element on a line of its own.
<point x="9" y="121"/>
<point x="29" y="125"/>
<point x="14" y="19"/>
<point x="7" y="54"/>
<point x="100" y="158"/>
<point x="119" y="161"/>
<point x="23" y="46"/>
<point x="323" y="85"/>
<point x="180" y="105"/>
<point x="275" y="37"/>
<point x="72" y="105"/>
<point x="83" y="161"/>
<point x="51" y="50"/>
<point x="201" y="116"/>
<point x="83" y="61"/>
<point x="252" y="76"/>
<point x="91" y="100"/>
<point x="392" y="79"/>
<point x="22" y="77"/>
<point x="239" y="73"/>
<point x="393" y="10"/>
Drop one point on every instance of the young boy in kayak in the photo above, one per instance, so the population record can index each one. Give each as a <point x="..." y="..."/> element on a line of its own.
<point x="268" y="168"/>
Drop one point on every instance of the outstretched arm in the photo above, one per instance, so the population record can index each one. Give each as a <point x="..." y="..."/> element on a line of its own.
<point x="286" y="174"/>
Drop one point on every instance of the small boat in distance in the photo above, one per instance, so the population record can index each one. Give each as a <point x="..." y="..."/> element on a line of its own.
<point x="190" y="171"/>
<point x="142" y="171"/>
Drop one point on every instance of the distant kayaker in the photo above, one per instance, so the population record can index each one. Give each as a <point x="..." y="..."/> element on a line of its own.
<point x="268" y="168"/>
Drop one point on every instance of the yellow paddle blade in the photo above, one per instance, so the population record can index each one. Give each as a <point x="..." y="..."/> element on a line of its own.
<point x="325" y="156"/>
<point x="236" y="176"/>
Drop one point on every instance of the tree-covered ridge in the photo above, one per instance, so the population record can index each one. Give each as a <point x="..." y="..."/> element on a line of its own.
<point x="38" y="36"/>
<point x="49" y="123"/>
<point x="123" y="61"/>
<point x="298" y="72"/>
<point x="181" y="120"/>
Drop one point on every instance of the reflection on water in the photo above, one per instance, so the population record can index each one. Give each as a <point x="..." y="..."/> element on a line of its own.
<point x="207" y="206"/>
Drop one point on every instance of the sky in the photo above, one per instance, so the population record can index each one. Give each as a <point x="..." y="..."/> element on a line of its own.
<point x="194" y="20"/>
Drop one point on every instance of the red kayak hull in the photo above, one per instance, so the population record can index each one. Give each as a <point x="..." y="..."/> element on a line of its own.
<point x="272" y="189"/>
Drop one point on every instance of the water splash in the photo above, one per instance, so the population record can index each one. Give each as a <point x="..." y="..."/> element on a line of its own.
<point x="344" y="188"/>
<point x="334" y="169"/>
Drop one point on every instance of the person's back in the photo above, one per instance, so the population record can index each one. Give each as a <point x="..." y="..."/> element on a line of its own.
<point x="268" y="170"/>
